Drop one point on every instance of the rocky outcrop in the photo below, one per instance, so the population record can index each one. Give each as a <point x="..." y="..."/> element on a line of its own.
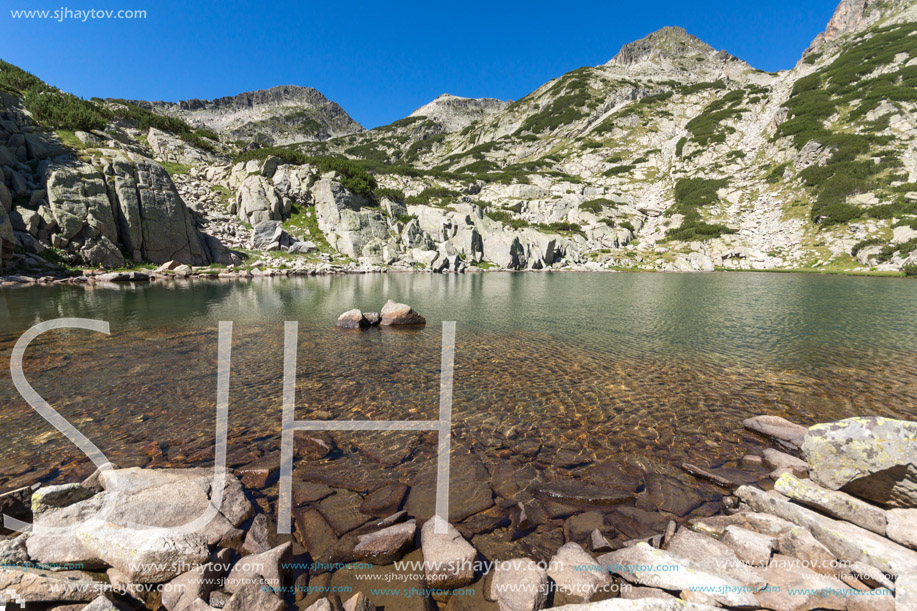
<point x="121" y="201"/>
<point x="7" y="239"/>
<point x="258" y="201"/>
<point x="167" y="147"/>
<point x="347" y="221"/>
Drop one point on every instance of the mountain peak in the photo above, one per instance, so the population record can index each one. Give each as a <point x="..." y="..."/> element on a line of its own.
<point x="662" y="46"/>
<point x="455" y="112"/>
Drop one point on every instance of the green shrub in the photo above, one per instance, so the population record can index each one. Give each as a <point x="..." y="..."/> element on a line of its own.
<point x="144" y="119"/>
<point x="680" y="146"/>
<point x="618" y="170"/>
<point x="431" y="194"/>
<point x="865" y="244"/>
<point x="561" y="227"/>
<point x="910" y="270"/>
<point x="597" y="205"/>
<point x="501" y="216"/>
<point x="396" y="195"/>
<point x="776" y="173"/>
<point x="698" y="87"/>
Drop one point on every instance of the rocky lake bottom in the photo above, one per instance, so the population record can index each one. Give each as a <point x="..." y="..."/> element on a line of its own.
<point x="573" y="393"/>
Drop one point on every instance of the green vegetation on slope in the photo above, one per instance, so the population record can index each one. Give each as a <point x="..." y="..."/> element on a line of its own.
<point x="691" y="194"/>
<point x="840" y="89"/>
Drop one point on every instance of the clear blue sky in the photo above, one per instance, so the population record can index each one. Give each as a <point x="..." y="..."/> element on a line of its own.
<point x="379" y="60"/>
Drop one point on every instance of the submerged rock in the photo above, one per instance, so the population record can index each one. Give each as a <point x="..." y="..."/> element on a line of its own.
<point x="387" y="545"/>
<point x="777" y="428"/>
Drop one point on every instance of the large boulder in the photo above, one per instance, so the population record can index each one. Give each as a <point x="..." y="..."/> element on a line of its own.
<point x="154" y="223"/>
<point x="269" y="235"/>
<point x="836" y="504"/>
<point x="258" y="201"/>
<point x="108" y="527"/>
<point x="352" y="319"/>
<point x="872" y="458"/>
<point x="400" y="314"/>
<point x="78" y="196"/>
<point x="504" y="249"/>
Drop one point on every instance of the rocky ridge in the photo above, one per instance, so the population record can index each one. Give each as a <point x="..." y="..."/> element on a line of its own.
<point x="277" y="116"/>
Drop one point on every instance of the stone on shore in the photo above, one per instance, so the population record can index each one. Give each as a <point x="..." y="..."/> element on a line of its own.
<point x="253" y="597"/>
<point x="264" y="570"/>
<point x="519" y="585"/>
<point x="800" y="544"/>
<point x="750" y="547"/>
<point x="846" y="541"/>
<point x="872" y="458"/>
<point x="906" y="592"/>
<point x="646" y="566"/>
<point x="359" y="602"/>
<point x="578" y="577"/>
<point x="197" y="583"/>
<point x="641" y="604"/>
<point x="788" y="574"/>
<point x="159" y="498"/>
<point x="836" y="504"/>
<point x="400" y="314"/>
<point x="352" y="319"/>
<point x="777" y="428"/>
<point x="902" y="526"/>
<point x="101" y="604"/>
<point x="40" y="586"/>
<point x="782" y="462"/>
<point x="447" y="558"/>
<point x="387" y="545"/>
<point x="713" y="556"/>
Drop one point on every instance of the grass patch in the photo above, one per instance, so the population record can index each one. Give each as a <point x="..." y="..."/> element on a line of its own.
<point x="174" y="168"/>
